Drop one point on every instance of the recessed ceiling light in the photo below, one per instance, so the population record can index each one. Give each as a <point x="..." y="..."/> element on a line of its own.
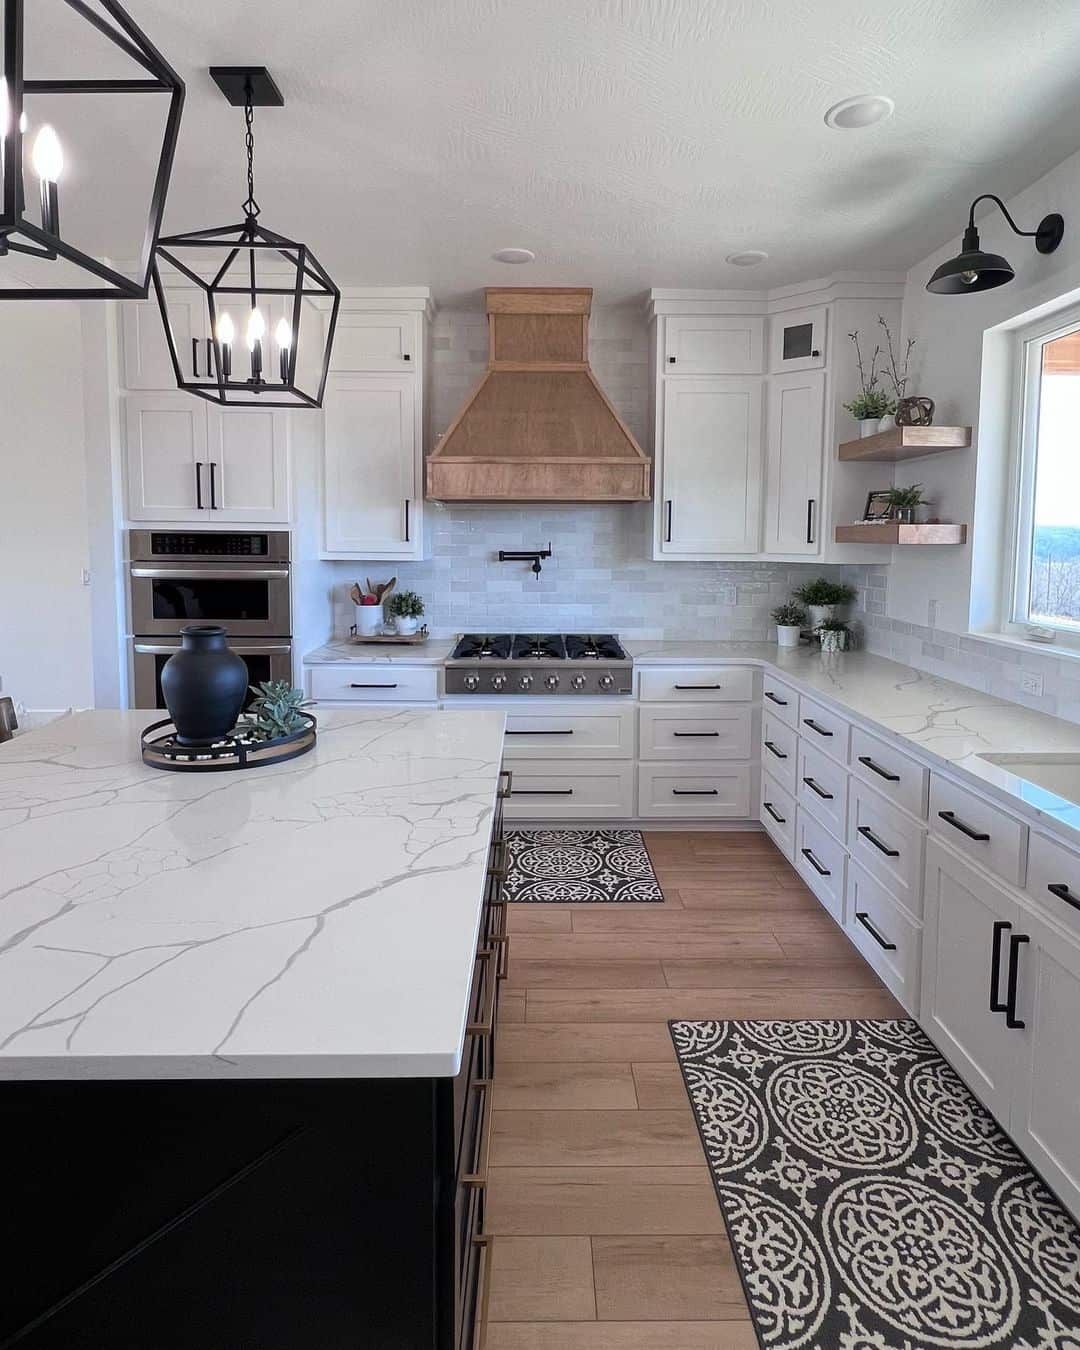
<point x="749" y="257"/>
<point x="514" y="255"/>
<point x="852" y="114"/>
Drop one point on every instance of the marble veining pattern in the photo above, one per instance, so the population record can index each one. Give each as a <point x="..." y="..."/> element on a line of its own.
<point x="317" y="918"/>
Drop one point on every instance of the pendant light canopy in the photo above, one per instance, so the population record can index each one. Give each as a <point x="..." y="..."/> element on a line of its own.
<point x="258" y="338"/>
<point x="36" y="233"/>
<point x="973" y="270"/>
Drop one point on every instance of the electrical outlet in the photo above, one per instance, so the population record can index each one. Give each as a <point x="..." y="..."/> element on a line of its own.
<point x="931" y="613"/>
<point x="1030" y="683"/>
<point x="85" y="576"/>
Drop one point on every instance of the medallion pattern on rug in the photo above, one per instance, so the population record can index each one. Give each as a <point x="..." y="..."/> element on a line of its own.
<point x="872" y="1203"/>
<point x="579" y="867"/>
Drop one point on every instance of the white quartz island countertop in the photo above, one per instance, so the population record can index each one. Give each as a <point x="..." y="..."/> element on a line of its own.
<point x="312" y="919"/>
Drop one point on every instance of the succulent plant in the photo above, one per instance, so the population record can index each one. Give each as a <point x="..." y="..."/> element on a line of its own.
<point x="789" y="615"/>
<point x="405" y="605"/>
<point x="274" y="711"/>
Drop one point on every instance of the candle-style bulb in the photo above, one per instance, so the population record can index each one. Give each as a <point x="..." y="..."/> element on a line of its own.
<point x="47" y="155"/>
<point x="226" y="330"/>
<point x="256" y="328"/>
<point x="283" y="333"/>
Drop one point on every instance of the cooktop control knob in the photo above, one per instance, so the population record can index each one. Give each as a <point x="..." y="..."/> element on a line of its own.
<point x="552" y="681"/>
<point x="471" y="682"/>
<point x="606" y="681"/>
<point x="525" y="681"/>
<point x="498" y="681"/>
<point x="578" y="681"/>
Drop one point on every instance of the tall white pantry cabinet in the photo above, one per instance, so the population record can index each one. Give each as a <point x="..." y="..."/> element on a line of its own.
<point x="746" y="396"/>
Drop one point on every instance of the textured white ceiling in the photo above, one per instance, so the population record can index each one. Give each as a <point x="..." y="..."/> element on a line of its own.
<point x="630" y="143"/>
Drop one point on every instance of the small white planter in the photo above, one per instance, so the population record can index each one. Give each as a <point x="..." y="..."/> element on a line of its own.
<point x="787" y="634"/>
<point x="369" y="620"/>
<point x="405" y="627"/>
<point x="868" y="426"/>
<point x="887" y="423"/>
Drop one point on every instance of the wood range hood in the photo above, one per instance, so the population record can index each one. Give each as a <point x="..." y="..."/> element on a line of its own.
<point x="538" y="427"/>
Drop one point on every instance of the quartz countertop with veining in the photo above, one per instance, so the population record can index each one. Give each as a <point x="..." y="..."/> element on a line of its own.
<point x="948" y="722"/>
<point x="316" y="918"/>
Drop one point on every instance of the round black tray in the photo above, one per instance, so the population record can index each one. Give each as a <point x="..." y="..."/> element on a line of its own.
<point x="230" y="752"/>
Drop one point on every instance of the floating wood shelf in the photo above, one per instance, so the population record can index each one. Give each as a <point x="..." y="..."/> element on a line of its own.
<point x="906" y="443"/>
<point x="895" y="533"/>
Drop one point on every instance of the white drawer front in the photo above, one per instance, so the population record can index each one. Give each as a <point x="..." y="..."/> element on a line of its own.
<point x="820" y="861"/>
<point x="779" y="751"/>
<point x="822" y="789"/>
<point x="824" y="729"/>
<point x="887" y="843"/>
<point x="779" y="700"/>
<point x="557" y="734"/>
<point x="541" y="790"/>
<point x="978" y="829"/>
<point x="891" y="772"/>
<point x="889" y="938"/>
<point x="701" y="731"/>
<point x="715" y="791"/>
<point x="1052" y="865"/>
<point x="778" y="815"/>
<point x="694" y="684"/>
<point x="375" y="684"/>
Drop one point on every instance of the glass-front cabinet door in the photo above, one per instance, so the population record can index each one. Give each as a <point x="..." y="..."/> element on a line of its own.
<point x="797" y="340"/>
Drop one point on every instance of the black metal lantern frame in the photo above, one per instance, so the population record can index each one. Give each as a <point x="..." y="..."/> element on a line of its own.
<point x="20" y="235"/>
<point x="248" y="263"/>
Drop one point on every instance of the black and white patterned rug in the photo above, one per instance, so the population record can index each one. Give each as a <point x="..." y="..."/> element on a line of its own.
<point x="871" y="1202"/>
<point x="579" y="867"/>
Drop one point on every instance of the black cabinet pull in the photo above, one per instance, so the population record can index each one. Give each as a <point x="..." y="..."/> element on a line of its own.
<point x="405" y="356"/>
<point x="773" y="750"/>
<point x="693" y="734"/>
<point x="864" y="919"/>
<point x="821" y="731"/>
<point x="1016" y="941"/>
<point x="667" y="507"/>
<point x="372" y="686"/>
<point x="775" y="698"/>
<point x="685" y="687"/>
<point x="816" y="787"/>
<point x="195" y="357"/>
<point x="198" y="485"/>
<point x="810" y="520"/>
<point x="213" y="486"/>
<point x="671" y="360"/>
<point x="542" y="792"/>
<point x="821" y="871"/>
<point x="876" y="768"/>
<point x="780" y="820"/>
<point x="1063" y="893"/>
<point x="568" y="732"/>
<point x="868" y="833"/>
<point x="814" y="351"/>
<point x="949" y="817"/>
<point x="695" y="792"/>
<point x="1000" y="927"/>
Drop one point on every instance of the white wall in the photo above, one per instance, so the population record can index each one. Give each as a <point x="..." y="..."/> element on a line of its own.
<point x="45" y="610"/>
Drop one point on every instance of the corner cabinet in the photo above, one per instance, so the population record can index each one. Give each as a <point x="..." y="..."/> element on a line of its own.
<point x="373" y="428"/>
<point x="795" y="453"/>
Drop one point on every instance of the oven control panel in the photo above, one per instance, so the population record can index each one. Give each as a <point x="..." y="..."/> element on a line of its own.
<point x="201" y="545"/>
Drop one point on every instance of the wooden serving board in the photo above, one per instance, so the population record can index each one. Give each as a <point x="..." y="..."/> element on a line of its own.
<point x="416" y="639"/>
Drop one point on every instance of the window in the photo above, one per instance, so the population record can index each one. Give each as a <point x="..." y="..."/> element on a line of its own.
<point x="1046" y="581"/>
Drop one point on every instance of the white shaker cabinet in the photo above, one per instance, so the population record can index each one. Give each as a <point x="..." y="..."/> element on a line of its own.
<point x="146" y="363"/>
<point x="249" y="465"/>
<point x="714" y="344"/>
<point x="167" y="475"/>
<point x="797" y="339"/>
<point x="368" y="341"/>
<point x="709" y="467"/>
<point x="794" y="462"/>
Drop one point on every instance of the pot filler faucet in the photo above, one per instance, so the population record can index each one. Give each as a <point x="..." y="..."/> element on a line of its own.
<point x="516" y="555"/>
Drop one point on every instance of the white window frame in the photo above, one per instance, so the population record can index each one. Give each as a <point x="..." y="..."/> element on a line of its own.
<point x="1030" y="342"/>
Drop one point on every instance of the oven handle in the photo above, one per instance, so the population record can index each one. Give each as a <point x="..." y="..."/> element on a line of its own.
<point x="211" y="573"/>
<point x="241" y="648"/>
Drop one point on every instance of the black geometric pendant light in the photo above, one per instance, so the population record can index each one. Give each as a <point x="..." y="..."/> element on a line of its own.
<point x="258" y="339"/>
<point x="38" y="233"/>
<point x="973" y="270"/>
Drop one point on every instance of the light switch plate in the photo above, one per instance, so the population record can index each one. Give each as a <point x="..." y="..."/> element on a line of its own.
<point x="1030" y="683"/>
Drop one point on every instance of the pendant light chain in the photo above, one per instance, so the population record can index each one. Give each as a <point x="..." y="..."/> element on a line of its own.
<point x="251" y="206"/>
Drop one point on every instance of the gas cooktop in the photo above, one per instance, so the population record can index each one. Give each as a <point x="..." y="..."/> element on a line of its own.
<point x="539" y="663"/>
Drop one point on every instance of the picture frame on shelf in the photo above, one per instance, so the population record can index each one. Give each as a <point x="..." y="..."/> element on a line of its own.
<point x="878" y="507"/>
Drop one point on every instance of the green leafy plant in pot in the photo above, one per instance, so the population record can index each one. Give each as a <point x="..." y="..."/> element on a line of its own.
<point x="822" y="597"/>
<point x="835" y="636"/>
<point x="871" y="403"/>
<point x="275" y="711"/>
<point x="406" y="609"/>
<point x="789" y="619"/>
<point x="904" y="502"/>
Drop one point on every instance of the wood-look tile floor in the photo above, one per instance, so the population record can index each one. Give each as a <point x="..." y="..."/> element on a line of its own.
<point x="608" y="1232"/>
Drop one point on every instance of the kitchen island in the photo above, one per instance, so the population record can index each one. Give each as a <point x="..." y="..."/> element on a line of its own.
<point x="246" y="1026"/>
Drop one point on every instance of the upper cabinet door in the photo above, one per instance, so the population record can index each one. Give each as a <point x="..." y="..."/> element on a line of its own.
<point x="249" y="474"/>
<point x="797" y="339"/>
<point x="709" y="501"/>
<point x="371" y="496"/>
<point x="713" y="344"/>
<point x="146" y="361"/>
<point x="165" y="455"/>
<point x="795" y="420"/>
<point x="375" y="341"/>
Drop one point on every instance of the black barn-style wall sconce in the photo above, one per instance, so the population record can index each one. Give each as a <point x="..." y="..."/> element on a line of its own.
<point x="973" y="270"/>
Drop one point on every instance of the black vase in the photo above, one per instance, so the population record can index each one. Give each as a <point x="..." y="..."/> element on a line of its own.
<point x="204" y="685"/>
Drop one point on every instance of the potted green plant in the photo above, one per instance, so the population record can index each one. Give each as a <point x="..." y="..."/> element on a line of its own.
<point x="896" y="373"/>
<point x="835" y="636"/>
<point x="789" y="619"/>
<point x="406" y="609"/>
<point x="904" y="502"/>
<point x="871" y="403"/>
<point x="821" y="597"/>
<point x="275" y="711"/>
